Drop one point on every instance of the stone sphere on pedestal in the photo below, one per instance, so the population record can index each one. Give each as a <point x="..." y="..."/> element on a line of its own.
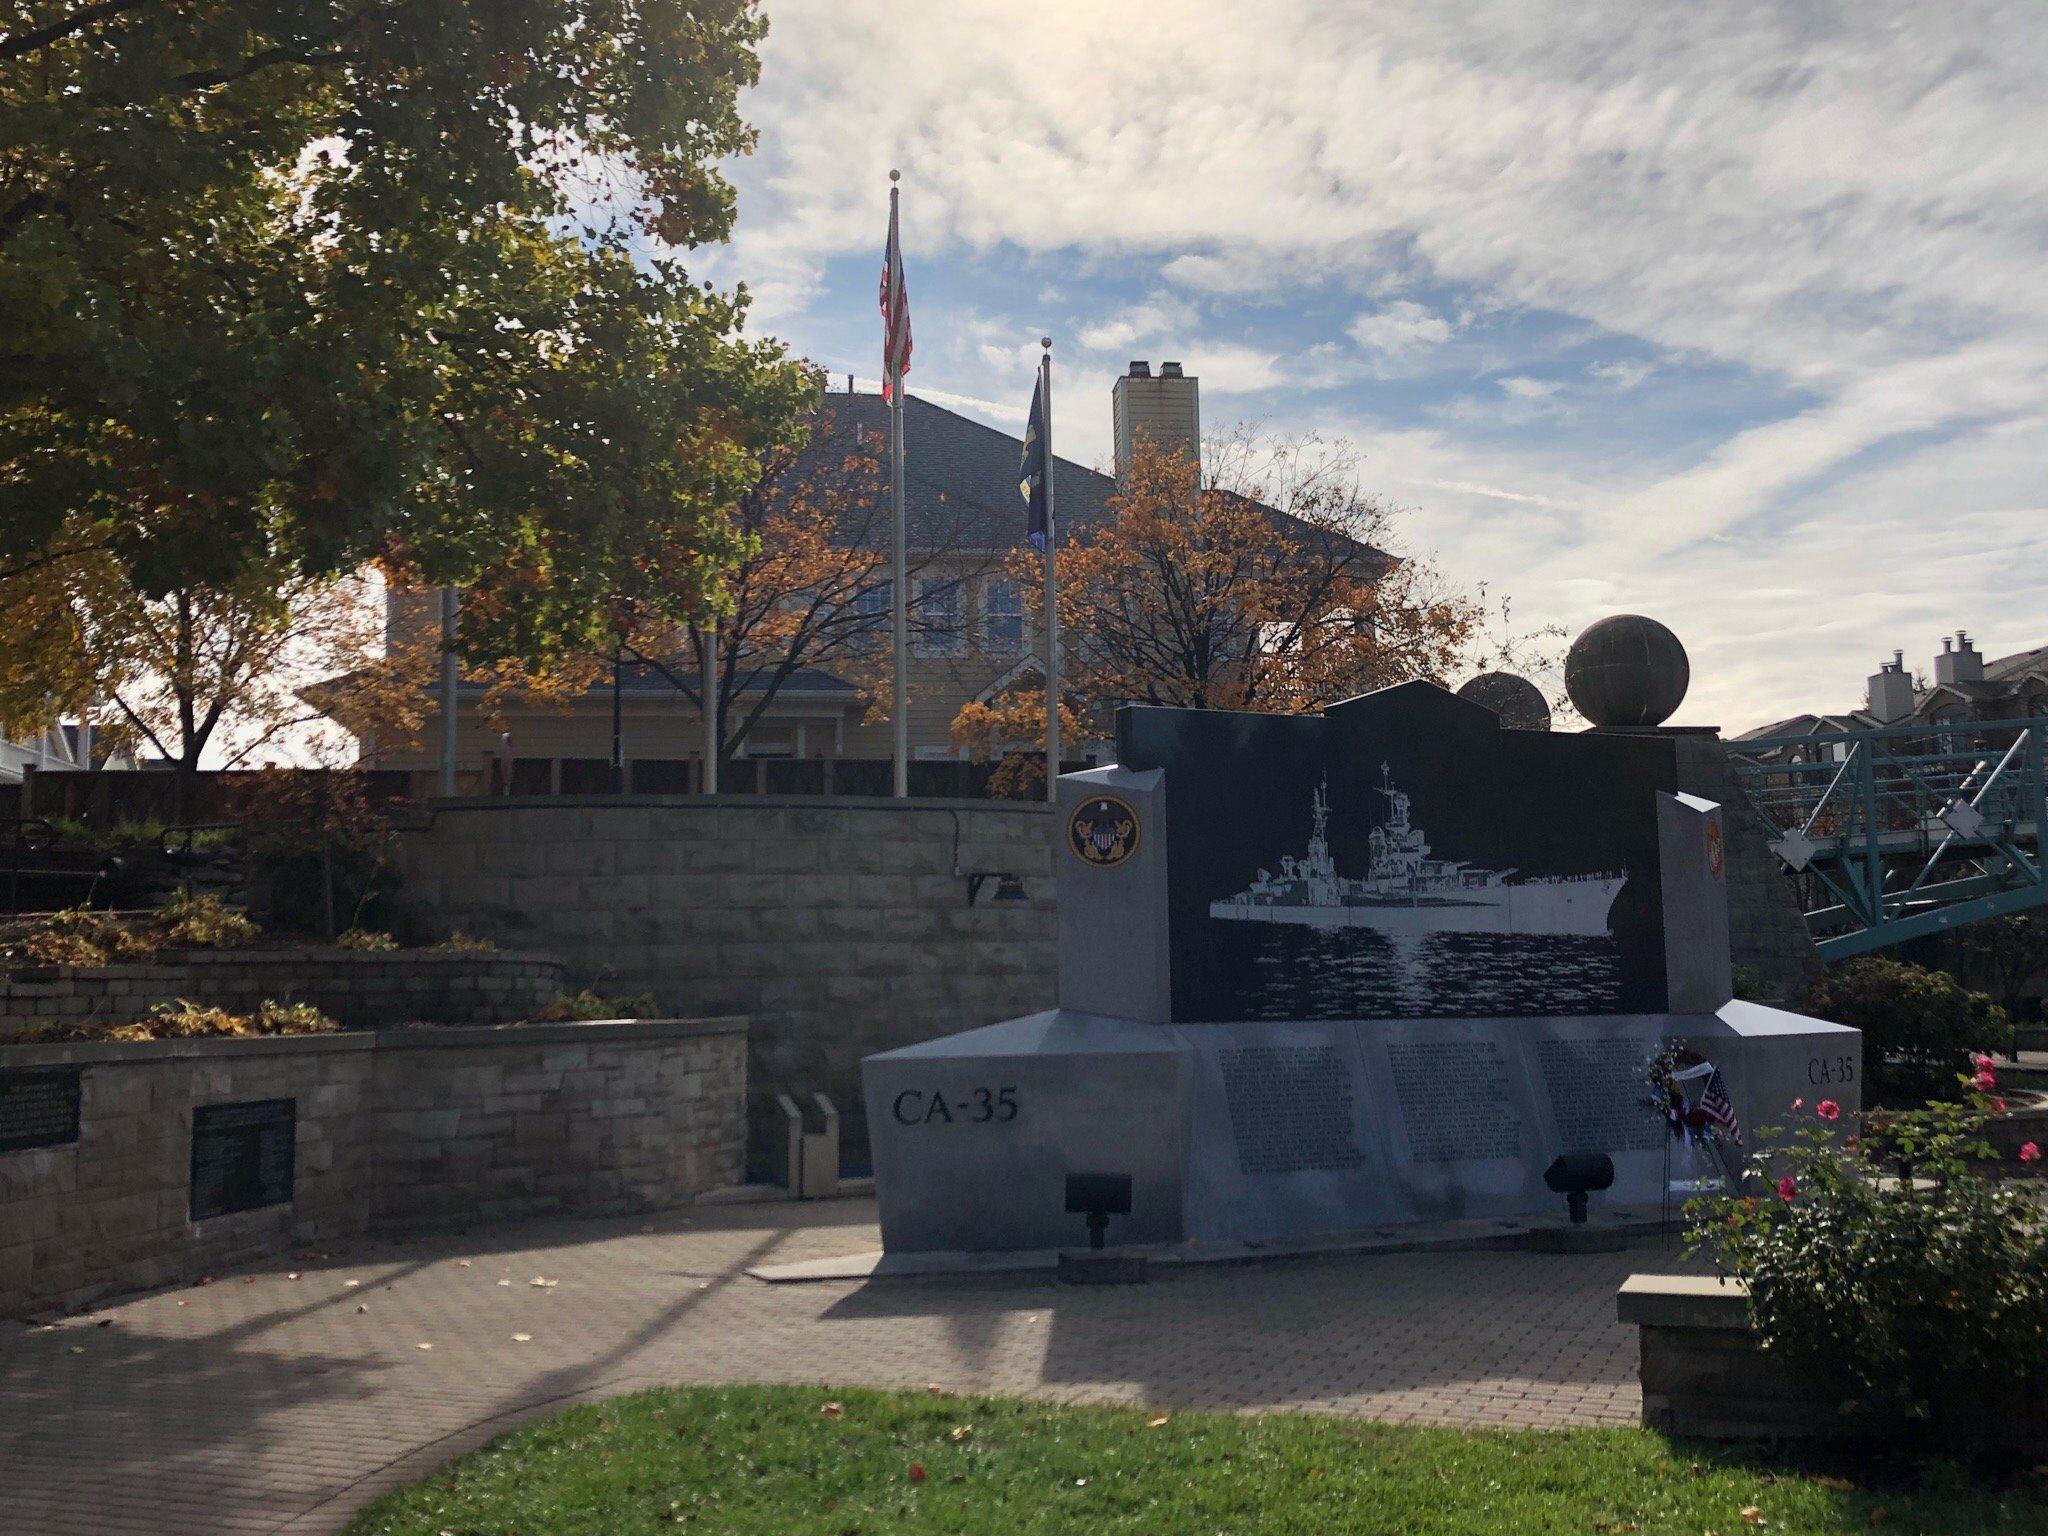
<point x="1627" y="671"/>
<point x="1518" y="702"/>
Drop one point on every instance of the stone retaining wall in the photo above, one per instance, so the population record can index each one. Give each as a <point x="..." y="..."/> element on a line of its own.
<point x="1767" y="935"/>
<point x="395" y="1129"/>
<point x="361" y="990"/>
<point x="839" y="927"/>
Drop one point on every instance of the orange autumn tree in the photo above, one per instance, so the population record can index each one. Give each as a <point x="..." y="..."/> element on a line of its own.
<point x="1263" y="584"/>
<point x="810" y="590"/>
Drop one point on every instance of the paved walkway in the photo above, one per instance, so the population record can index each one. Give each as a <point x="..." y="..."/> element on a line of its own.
<point x="264" y="1402"/>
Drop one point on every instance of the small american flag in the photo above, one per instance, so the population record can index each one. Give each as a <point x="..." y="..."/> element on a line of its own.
<point x="1719" y="1108"/>
<point x="895" y="311"/>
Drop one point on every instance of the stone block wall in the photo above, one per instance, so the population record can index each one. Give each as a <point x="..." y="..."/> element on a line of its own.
<point x="395" y="1130"/>
<point x="361" y="990"/>
<point x="1767" y="933"/>
<point x="839" y="927"/>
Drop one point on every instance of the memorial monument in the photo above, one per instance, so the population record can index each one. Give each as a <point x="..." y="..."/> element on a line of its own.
<point x="1324" y="974"/>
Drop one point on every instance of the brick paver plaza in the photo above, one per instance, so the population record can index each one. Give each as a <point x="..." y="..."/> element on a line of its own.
<point x="260" y="1402"/>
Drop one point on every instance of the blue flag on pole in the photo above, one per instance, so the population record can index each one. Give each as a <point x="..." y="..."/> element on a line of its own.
<point x="1037" y="465"/>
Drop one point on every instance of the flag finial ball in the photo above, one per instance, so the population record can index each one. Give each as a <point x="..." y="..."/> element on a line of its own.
<point x="895" y="175"/>
<point x="1045" y="342"/>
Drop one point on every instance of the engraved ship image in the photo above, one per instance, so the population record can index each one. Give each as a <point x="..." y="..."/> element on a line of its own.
<point x="1406" y="893"/>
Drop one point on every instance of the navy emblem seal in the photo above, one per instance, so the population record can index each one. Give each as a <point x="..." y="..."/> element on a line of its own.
<point x="1103" y="831"/>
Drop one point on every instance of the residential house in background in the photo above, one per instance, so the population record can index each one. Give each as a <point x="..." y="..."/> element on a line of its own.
<point x="972" y="636"/>
<point x="58" y="746"/>
<point x="1963" y="688"/>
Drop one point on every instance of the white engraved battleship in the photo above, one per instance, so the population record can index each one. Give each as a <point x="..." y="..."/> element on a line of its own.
<point x="1406" y="893"/>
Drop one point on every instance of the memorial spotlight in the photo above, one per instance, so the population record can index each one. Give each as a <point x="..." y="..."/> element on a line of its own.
<point x="1577" y="1175"/>
<point x="1098" y="1196"/>
<point x="1008" y="886"/>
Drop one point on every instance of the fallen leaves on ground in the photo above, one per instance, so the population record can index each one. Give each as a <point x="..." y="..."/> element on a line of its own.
<point x="423" y="1346"/>
<point x="917" y="1471"/>
<point x="961" y="1432"/>
<point x="541" y="1282"/>
<point x="522" y="1338"/>
<point x="833" y="1410"/>
<point x="1159" y="1423"/>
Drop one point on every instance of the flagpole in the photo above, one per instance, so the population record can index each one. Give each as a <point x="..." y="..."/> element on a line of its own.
<point x="898" y="586"/>
<point x="1052" y="594"/>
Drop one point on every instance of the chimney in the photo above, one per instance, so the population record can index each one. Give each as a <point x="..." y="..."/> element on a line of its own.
<point x="1959" y="661"/>
<point x="1164" y="412"/>
<point x="1890" y="691"/>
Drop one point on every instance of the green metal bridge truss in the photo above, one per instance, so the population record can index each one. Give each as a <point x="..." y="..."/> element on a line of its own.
<point x="1901" y="831"/>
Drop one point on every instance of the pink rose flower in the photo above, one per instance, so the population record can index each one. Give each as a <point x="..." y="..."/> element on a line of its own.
<point x="1828" y="1109"/>
<point x="2030" y="1152"/>
<point x="1799" y="1103"/>
<point x="1789" y="1187"/>
<point x="1984" y="1081"/>
<point x="1979" y="1060"/>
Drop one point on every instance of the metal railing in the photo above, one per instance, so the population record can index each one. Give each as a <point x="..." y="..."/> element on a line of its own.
<point x="1901" y="831"/>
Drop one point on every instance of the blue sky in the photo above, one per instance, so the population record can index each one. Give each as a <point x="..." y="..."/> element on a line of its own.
<point x="1732" y="315"/>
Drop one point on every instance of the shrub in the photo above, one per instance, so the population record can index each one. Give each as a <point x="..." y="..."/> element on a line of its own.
<point x="369" y="940"/>
<point x="1891" y="1269"/>
<point x="79" y="936"/>
<point x="460" y="943"/>
<point x="584" y="1006"/>
<point x="186" y="1020"/>
<point x="204" y="922"/>
<point x="1920" y="1027"/>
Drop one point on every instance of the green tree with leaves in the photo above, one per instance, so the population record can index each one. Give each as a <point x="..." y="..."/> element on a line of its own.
<point x="311" y="283"/>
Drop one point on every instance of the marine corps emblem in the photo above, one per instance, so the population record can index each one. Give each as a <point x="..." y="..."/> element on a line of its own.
<point x="1714" y="855"/>
<point x="1103" y="831"/>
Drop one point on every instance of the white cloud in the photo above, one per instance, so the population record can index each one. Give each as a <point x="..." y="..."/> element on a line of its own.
<point x="1399" y="329"/>
<point x="1840" y="206"/>
<point x="1620" y="375"/>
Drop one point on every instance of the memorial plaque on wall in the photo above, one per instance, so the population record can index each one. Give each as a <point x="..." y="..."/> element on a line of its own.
<point x="38" y="1109"/>
<point x="1290" y="1108"/>
<point x="1456" y="1101"/>
<point x="242" y="1156"/>
<point x="1597" y="1090"/>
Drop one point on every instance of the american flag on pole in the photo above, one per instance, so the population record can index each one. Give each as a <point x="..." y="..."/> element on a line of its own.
<point x="1719" y="1108"/>
<point x="895" y="312"/>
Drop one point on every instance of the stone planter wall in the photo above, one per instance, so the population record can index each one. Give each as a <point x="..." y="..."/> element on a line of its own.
<point x="361" y="990"/>
<point x="395" y="1130"/>
<point x="1703" y="1374"/>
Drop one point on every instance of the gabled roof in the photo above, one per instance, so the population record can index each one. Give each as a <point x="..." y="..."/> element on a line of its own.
<point x="2011" y="669"/>
<point x="960" y="477"/>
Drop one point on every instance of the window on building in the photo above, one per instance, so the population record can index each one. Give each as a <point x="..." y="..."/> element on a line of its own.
<point x="1002" y="615"/>
<point x="872" y="604"/>
<point x="941" y="617"/>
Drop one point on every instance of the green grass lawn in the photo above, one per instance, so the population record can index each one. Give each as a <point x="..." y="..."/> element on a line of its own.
<point x="788" y="1461"/>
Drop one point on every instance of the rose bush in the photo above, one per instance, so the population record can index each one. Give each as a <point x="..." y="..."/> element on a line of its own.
<point x="1892" y="1269"/>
